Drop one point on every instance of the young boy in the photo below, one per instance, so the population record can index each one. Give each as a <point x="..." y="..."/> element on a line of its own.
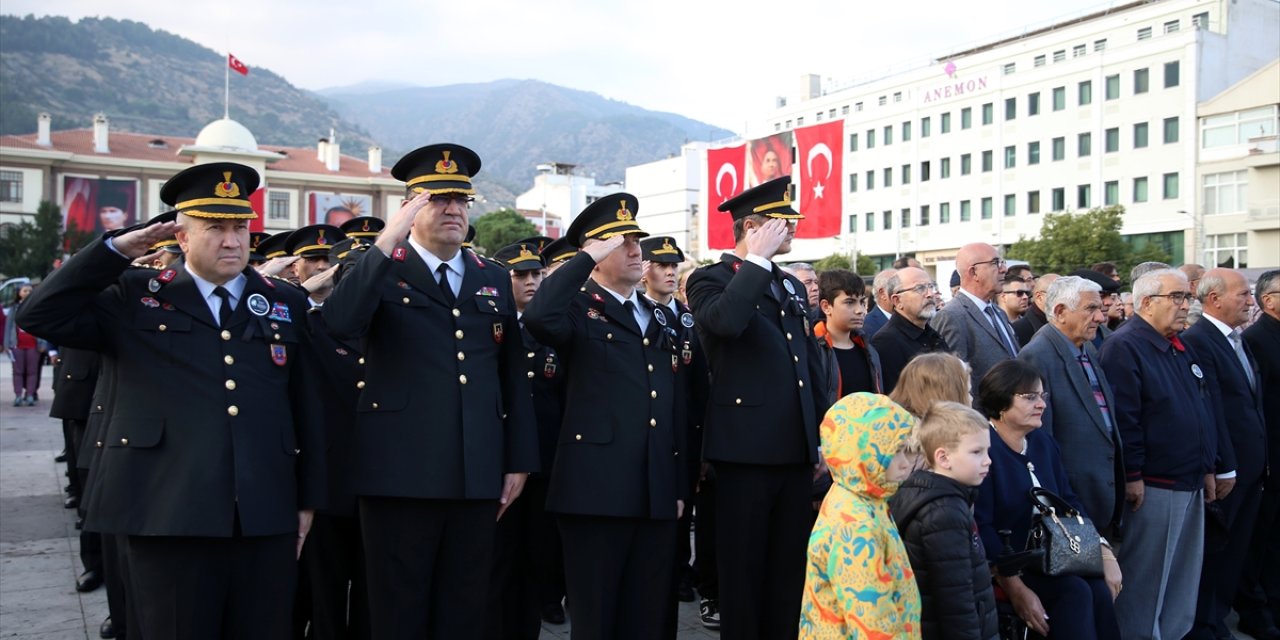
<point x="850" y="361"/>
<point x="934" y="513"/>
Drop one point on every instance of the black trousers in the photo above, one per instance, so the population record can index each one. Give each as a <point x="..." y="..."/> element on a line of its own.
<point x="72" y="435"/>
<point x="762" y="539"/>
<point x="704" y="539"/>
<point x="115" y="567"/>
<point x="618" y="571"/>
<point x="1259" y="588"/>
<point x="213" y="588"/>
<point x="1225" y="550"/>
<point x="333" y="568"/>
<point x="428" y="564"/>
<point x="526" y="567"/>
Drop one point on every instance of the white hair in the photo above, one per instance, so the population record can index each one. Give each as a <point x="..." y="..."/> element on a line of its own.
<point x="1066" y="290"/>
<point x="882" y="279"/>
<point x="1210" y="283"/>
<point x="1149" y="284"/>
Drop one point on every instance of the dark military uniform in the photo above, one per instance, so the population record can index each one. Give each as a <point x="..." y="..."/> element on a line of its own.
<point x="444" y="414"/>
<point x="74" y="381"/>
<point x="618" y="469"/>
<point x="761" y="427"/>
<point x="209" y="453"/>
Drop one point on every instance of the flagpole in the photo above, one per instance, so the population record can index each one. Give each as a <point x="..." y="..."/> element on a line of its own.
<point x="226" y="88"/>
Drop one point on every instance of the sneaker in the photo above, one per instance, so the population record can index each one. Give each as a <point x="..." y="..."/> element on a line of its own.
<point x="17" y="401"/>
<point x="710" y="612"/>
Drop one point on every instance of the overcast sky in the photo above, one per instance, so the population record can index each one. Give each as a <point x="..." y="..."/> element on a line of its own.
<point x="718" y="61"/>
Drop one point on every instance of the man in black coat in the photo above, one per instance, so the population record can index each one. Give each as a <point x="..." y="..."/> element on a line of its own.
<point x="212" y="462"/>
<point x="1235" y="387"/>
<point x="444" y="435"/>
<point x="762" y="419"/>
<point x="73" y="394"/>
<point x="915" y="301"/>
<point x="1035" y="317"/>
<point x="619" y="482"/>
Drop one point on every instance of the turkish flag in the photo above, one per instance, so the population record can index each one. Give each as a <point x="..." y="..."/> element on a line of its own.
<point x="726" y="178"/>
<point x="257" y="200"/>
<point x="820" y="148"/>
<point x="237" y="66"/>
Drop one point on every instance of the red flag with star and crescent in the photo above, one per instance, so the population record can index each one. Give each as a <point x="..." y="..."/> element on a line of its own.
<point x="726" y="178"/>
<point x="237" y="66"/>
<point x="820" y="149"/>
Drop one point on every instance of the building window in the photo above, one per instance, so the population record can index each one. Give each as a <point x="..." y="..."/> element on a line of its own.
<point x="888" y="176"/>
<point x="1113" y="87"/>
<point x="924" y="171"/>
<point x="897" y="96"/>
<point x="1170" y="186"/>
<point x="888" y="135"/>
<point x="1084" y="93"/>
<point x="1078" y="50"/>
<point x="1059" y="149"/>
<point x="1010" y="204"/>
<point x="906" y="174"/>
<point x="871" y="138"/>
<point x="1171" y="74"/>
<point x="832" y="114"/>
<point x="800" y="121"/>
<point x="853" y="142"/>
<point x="988" y="113"/>
<point x="844" y="111"/>
<point x="966" y="164"/>
<point x="1059" y="98"/>
<point x="1141" y="81"/>
<point x="886" y="220"/>
<point x="871" y="220"/>
<point x="853" y="183"/>
<point x="10" y="186"/>
<point x="946" y="122"/>
<point x="1144" y="33"/>
<point x="926" y="127"/>
<point x="966" y="211"/>
<point x="1140" y="135"/>
<point x="871" y="180"/>
<point x="883" y="100"/>
<point x="1200" y="20"/>
<point x="1227" y="250"/>
<point x="906" y="131"/>
<point x="906" y="219"/>
<point x="945" y="169"/>
<point x="1010" y="68"/>
<point x="1084" y="145"/>
<point x="988" y="159"/>
<point x="1033" y="104"/>
<point x="1033" y="152"/>
<point x="1140" y="189"/>
<point x="1084" y="196"/>
<point x="944" y="213"/>
<point x="1111" y="140"/>
<point x="966" y="118"/>
<point x="1010" y="108"/>
<point x="1100" y="45"/>
<point x="1039" y="61"/>
<point x="1111" y="193"/>
<point x="1238" y="127"/>
<point x="1060" y="55"/>
<point x="1010" y="157"/>
<point x="788" y="125"/>
<point x="1171" y="130"/>
<point x="777" y="126"/>
<point x="1226" y="192"/>
<point x="1172" y="26"/>
<point x="853" y="223"/>
<point x="857" y="106"/>
<point x="1059" y="199"/>
<point x="1033" y="202"/>
<point x="817" y="116"/>
<point x="278" y="206"/>
<point x="986" y="208"/>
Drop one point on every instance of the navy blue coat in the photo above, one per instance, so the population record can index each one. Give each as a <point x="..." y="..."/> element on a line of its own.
<point x="1004" y="499"/>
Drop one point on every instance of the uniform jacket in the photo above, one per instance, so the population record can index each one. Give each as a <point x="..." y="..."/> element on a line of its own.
<point x="340" y="373"/>
<point x="971" y="337"/>
<point x="698" y="379"/>
<point x="934" y="515"/>
<point x="1162" y="408"/>
<point x="77" y="376"/>
<point x="207" y="422"/>
<point x="899" y="341"/>
<point x="1091" y="451"/>
<point x="766" y="386"/>
<point x="546" y="373"/>
<point x="1263" y="338"/>
<point x="445" y="410"/>
<point x="858" y="581"/>
<point x="621" y="444"/>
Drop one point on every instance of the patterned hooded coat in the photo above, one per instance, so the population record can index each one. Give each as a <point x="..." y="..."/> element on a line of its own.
<point x="858" y="582"/>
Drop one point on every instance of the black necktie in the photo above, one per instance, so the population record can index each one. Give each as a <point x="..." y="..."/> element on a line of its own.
<point x="445" y="288"/>
<point x="224" y="310"/>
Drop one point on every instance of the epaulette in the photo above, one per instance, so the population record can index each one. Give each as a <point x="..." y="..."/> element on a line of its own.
<point x="143" y="266"/>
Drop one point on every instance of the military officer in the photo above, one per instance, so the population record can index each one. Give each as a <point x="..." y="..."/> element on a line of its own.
<point x="256" y="238"/>
<point x="557" y="253"/>
<point x="73" y="392"/>
<point x="445" y="433"/>
<point x="366" y="228"/>
<point x="210" y="463"/>
<point x="762" y="422"/>
<point x="618" y="484"/>
<point x="311" y="246"/>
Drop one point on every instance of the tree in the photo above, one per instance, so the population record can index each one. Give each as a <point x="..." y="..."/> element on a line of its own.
<point x="29" y="248"/>
<point x="862" y="266"/>
<point x="1070" y="241"/>
<point x="500" y="228"/>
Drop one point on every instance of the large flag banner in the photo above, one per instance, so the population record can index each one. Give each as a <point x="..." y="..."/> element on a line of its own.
<point x="99" y="205"/>
<point x="770" y="158"/>
<point x="820" y="149"/>
<point x="726" y="178"/>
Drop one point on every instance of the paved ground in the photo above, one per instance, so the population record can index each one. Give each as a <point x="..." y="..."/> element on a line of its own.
<point x="39" y="544"/>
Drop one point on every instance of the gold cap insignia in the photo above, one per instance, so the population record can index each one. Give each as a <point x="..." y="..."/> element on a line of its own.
<point x="320" y="237"/>
<point x="446" y="165"/>
<point x="364" y="226"/>
<point x="666" y="244"/>
<point x="786" y="196"/>
<point x="525" y="252"/>
<point x="226" y="188"/>
<point x="624" y="214"/>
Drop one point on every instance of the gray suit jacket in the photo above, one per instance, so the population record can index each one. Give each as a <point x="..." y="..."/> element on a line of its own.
<point x="972" y="338"/>
<point x="1091" y="451"/>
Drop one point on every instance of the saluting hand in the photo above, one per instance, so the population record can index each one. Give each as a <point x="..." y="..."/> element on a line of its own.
<point x="321" y="283"/>
<point x="512" y="486"/>
<point x="401" y="223"/>
<point x="601" y="250"/>
<point x="149" y="259"/>
<point x="135" y="243"/>
<point x="276" y="266"/>
<point x="764" y="240"/>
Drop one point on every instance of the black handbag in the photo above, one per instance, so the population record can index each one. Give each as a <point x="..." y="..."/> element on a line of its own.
<point x="1070" y="542"/>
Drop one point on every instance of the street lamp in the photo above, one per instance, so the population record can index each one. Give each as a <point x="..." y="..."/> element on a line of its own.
<point x="1197" y="229"/>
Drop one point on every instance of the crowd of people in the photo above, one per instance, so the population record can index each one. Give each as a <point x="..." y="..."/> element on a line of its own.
<point x="373" y="431"/>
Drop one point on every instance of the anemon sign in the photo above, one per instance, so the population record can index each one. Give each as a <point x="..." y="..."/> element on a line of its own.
<point x="954" y="88"/>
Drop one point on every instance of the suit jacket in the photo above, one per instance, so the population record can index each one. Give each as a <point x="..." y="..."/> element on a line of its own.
<point x="620" y="446"/>
<point x="445" y="410"/>
<point x="209" y="424"/>
<point x="900" y="341"/>
<point x="874" y="321"/>
<point x="77" y="376"/>
<point x="1263" y="338"/>
<point x="1091" y="450"/>
<point x="1026" y="327"/>
<point x="1236" y="407"/>
<point x="971" y="337"/>
<point x="765" y="381"/>
<point x="340" y="376"/>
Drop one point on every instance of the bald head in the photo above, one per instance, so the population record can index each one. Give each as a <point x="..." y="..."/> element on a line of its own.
<point x="981" y="271"/>
<point x="1224" y="294"/>
<point x="1040" y="293"/>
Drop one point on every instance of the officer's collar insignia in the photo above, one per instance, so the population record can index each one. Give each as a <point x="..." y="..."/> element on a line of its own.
<point x="226" y="188"/>
<point x="446" y="165"/>
<point x="267" y="281"/>
<point x="167" y="276"/>
<point x="398" y="254"/>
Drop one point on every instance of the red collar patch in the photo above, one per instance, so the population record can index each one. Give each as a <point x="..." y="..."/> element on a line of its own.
<point x="398" y="254"/>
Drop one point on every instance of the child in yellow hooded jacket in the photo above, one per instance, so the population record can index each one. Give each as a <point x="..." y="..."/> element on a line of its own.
<point x="859" y="583"/>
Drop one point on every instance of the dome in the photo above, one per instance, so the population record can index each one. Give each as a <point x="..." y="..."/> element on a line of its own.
<point x="226" y="134"/>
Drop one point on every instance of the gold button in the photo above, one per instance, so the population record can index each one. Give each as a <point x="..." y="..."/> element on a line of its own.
<point x="532" y="354"/>
<point x="608" y="336"/>
<point x="297" y="451"/>
<point x="795" y="358"/>
<point x="788" y="335"/>
<point x="650" y="368"/>
<point x="360" y="361"/>
<point x="229" y="360"/>
<point x="405" y="299"/>
<point x="163" y="328"/>
<point x="737" y="401"/>
<point x="530" y="374"/>
<point x="462" y="356"/>
<point x="456" y="313"/>
<point x="784" y="313"/>
<point x="653" y="422"/>
<point x="99" y="443"/>
<point x="646" y="342"/>
<point x="124" y="441"/>
<point x="375" y="405"/>
<point x="492" y="303"/>
<point x="458" y="334"/>
<point x="68" y="376"/>
<point x="653" y="394"/>
<point x="99" y="407"/>
<point x="462" y="378"/>
<point x="277" y="336"/>
<point x="226" y="335"/>
<point x="360" y="384"/>
<point x="802" y="384"/>
<point x="578" y="437"/>
<point x="231" y="385"/>
<point x="233" y="411"/>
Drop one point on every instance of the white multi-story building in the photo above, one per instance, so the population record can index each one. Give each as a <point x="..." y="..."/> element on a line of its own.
<point x="561" y="193"/>
<point x="669" y="191"/>
<point x="1094" y="111"/>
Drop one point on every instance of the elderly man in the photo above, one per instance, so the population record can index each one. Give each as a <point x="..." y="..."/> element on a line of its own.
<point x="1035" y="317"/>
<point x="808" y="277"/>
<point x="1231" y="374"/>
<point x="1163" y="409"/>
<point x="879" y="313"/>
<point x="1079" y="412"/>
<point x="906" y="261"/>
<point x="1110" y="297"/>
<point x="908" y="333"/>
<point x="1143" y="268"/>
<point x="974" y="327"/>
<point x="1015" y="297"/>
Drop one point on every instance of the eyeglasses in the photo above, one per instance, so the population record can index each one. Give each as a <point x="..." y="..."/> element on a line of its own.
<point x="1178" y="298"/>
<point x="1032" y="397"/>
<point x="1019" y="293"/>
<point x="446" y="199"/>
<point x="995" y="262"/>
<point x="920" y="289"/>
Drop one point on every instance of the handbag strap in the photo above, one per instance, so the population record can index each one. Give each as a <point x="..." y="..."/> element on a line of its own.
<point x="1047" y="501"/>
